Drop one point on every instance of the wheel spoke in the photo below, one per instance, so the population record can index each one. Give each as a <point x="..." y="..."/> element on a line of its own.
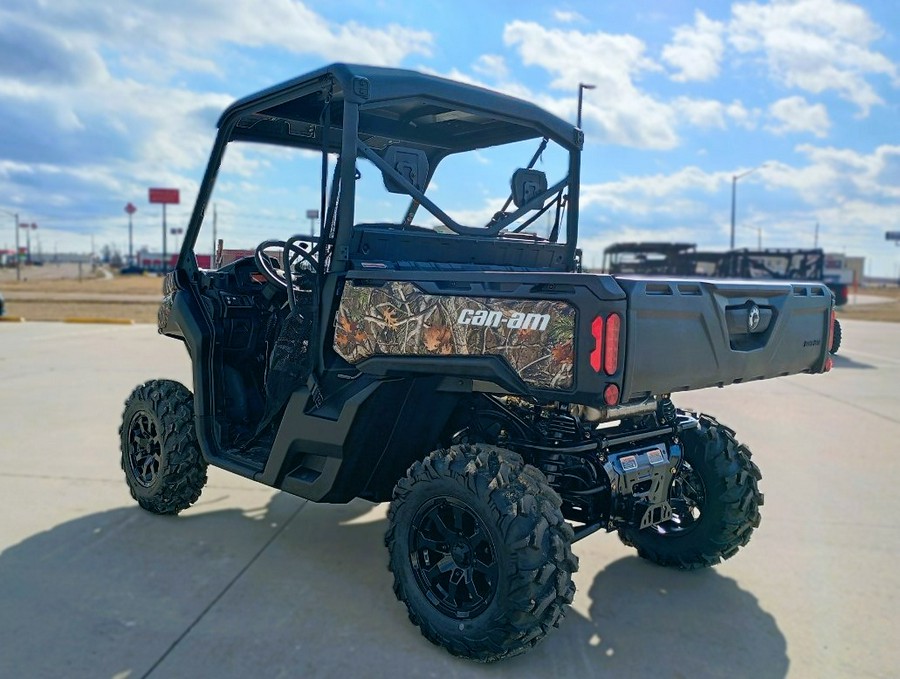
<point x="458" y="519"/>
<point x="424" y="542"/>
<point x="442" y="566"/>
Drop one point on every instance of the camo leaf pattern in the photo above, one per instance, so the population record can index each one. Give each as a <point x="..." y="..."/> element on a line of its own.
<point x="398" y="319"/>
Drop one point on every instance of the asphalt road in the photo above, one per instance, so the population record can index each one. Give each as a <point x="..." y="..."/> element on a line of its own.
<point x="251" y="582"/>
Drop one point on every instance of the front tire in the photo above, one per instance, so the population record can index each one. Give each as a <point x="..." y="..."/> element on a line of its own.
<point x="161" y="458"/>
<point x="715" y="502"/>
<point x="480" y="552"/>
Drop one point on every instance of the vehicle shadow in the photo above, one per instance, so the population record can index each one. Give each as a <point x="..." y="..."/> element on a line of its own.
<point x="841" y="361"/>
<point x="302" y="590"/>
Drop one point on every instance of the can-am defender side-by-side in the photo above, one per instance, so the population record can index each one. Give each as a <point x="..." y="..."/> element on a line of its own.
<point x="454" y="360"/>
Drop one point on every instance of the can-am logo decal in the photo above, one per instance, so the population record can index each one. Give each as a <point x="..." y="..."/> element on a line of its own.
<point x="517" y="320"/>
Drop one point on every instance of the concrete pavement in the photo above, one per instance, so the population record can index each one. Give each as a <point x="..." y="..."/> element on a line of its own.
<point x="252" y="582"/>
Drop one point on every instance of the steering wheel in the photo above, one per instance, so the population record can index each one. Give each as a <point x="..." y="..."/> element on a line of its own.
<point x="293" y="250"/>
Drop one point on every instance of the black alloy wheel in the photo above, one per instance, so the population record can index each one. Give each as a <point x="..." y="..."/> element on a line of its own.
<point x="144" y="448"/>
<point x="715" y="502"/>
<point x="454" y="558"/>
<point x="480" y="551"/>
<point x="687" y="499"/>
<point x="160" y="455"/>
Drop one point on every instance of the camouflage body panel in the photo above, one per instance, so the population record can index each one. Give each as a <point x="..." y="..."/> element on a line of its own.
<point x="165" y="308"/>
<point x="398" y="319"/>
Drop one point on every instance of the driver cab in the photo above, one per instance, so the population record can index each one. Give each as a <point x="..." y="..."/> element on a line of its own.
<point x="344" y="171"/>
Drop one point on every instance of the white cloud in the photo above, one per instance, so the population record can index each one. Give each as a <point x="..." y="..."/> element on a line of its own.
<point x="816" y="46"/>
<point x="658" y="194"/>
<point x="795" y="114"/>
<point x="711" y="113"/>
<point x="696" y="51"/>
<point x="492" y="66"/>
<point x="568" y="17"/>
<point x="834" y="174"/>
<point x="625" y="114"/>
<point x="104" y="101"/>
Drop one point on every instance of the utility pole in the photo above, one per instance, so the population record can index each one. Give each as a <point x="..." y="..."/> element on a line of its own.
<point x="816" y="241"/>
<point x="734" y="180"/>
<point x="212" y="257"/>
<point x="18" y="259"/>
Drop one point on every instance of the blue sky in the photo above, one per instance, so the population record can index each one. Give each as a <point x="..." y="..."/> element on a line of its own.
<point x="99" y="101"/>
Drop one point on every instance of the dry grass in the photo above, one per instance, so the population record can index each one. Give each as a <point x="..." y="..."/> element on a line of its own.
<point x="51" y="279"/>
<point x="888" y="310"/>
<point x="138" y="312"/>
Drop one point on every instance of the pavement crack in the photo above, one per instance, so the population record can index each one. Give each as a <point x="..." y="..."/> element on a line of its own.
<point x="221" y="594"/>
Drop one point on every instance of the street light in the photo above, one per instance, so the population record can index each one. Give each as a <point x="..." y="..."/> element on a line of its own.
<point x="734" y="180"/>
<point x="581" y="88"/>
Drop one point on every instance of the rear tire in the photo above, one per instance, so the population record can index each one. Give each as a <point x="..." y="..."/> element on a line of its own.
<point x="480" y="552"/>
<point x="715" y="502"/>
<point x="164" y="469"/>
<point x="836" y="338"/>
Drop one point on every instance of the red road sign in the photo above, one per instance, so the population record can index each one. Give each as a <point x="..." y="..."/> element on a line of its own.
<point x="165" y="196"/>
<point x="131" y="209"/>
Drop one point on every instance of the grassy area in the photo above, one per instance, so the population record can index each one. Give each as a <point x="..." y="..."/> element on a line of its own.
<point x="887" y="310"/>
<point x="52" y="279"/>
<point x="58" y="311"/>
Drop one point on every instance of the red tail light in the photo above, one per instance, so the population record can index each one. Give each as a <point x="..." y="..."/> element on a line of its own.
<point x="611" y="343"/>
<point x="606" y="333"/>
<point x="597" y="353"/>
<point x="611" y="394"/>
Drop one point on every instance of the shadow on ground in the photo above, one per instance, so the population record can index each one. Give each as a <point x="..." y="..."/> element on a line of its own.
<point x="301" y="590"/>
<point x="841" y="361"/>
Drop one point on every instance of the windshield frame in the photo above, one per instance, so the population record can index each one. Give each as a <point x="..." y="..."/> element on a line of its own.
<point x="294" y="114"/>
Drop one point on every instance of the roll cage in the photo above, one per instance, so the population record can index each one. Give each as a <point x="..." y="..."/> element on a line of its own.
<point x="405" y="123"/>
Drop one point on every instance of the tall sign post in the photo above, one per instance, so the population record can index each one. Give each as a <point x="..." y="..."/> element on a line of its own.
<point x="312" y="216"/>
<point x="130" y="209"/>
<point x="164" y="197"/>
<point x="893" y="235"/>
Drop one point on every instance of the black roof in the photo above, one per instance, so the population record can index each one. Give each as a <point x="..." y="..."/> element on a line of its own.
<point x="429" y="110"/>
<point x="650" y="247"/>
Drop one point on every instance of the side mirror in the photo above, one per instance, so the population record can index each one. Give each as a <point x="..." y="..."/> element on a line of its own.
<point x="527" y="185"/>
<point x="411" y="164"/>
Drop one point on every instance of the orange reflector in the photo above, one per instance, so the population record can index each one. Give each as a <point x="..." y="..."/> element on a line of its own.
<point x="611" y="394"/>
<point x="611" y="344"/>
<point x="597" y="332"/>
<point x="829" y="363"/>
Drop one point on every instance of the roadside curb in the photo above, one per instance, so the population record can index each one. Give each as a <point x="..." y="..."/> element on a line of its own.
<point x="12" y="319"/>
<point x="107" y="321"/>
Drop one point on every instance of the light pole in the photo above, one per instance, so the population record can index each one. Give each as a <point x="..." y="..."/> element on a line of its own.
<point x="734" y="180"/>
<point x="581" y="88"/>
<point x="312" y="216"/>
<point x="28" y="228"/>
<point x="130" y="209"/>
